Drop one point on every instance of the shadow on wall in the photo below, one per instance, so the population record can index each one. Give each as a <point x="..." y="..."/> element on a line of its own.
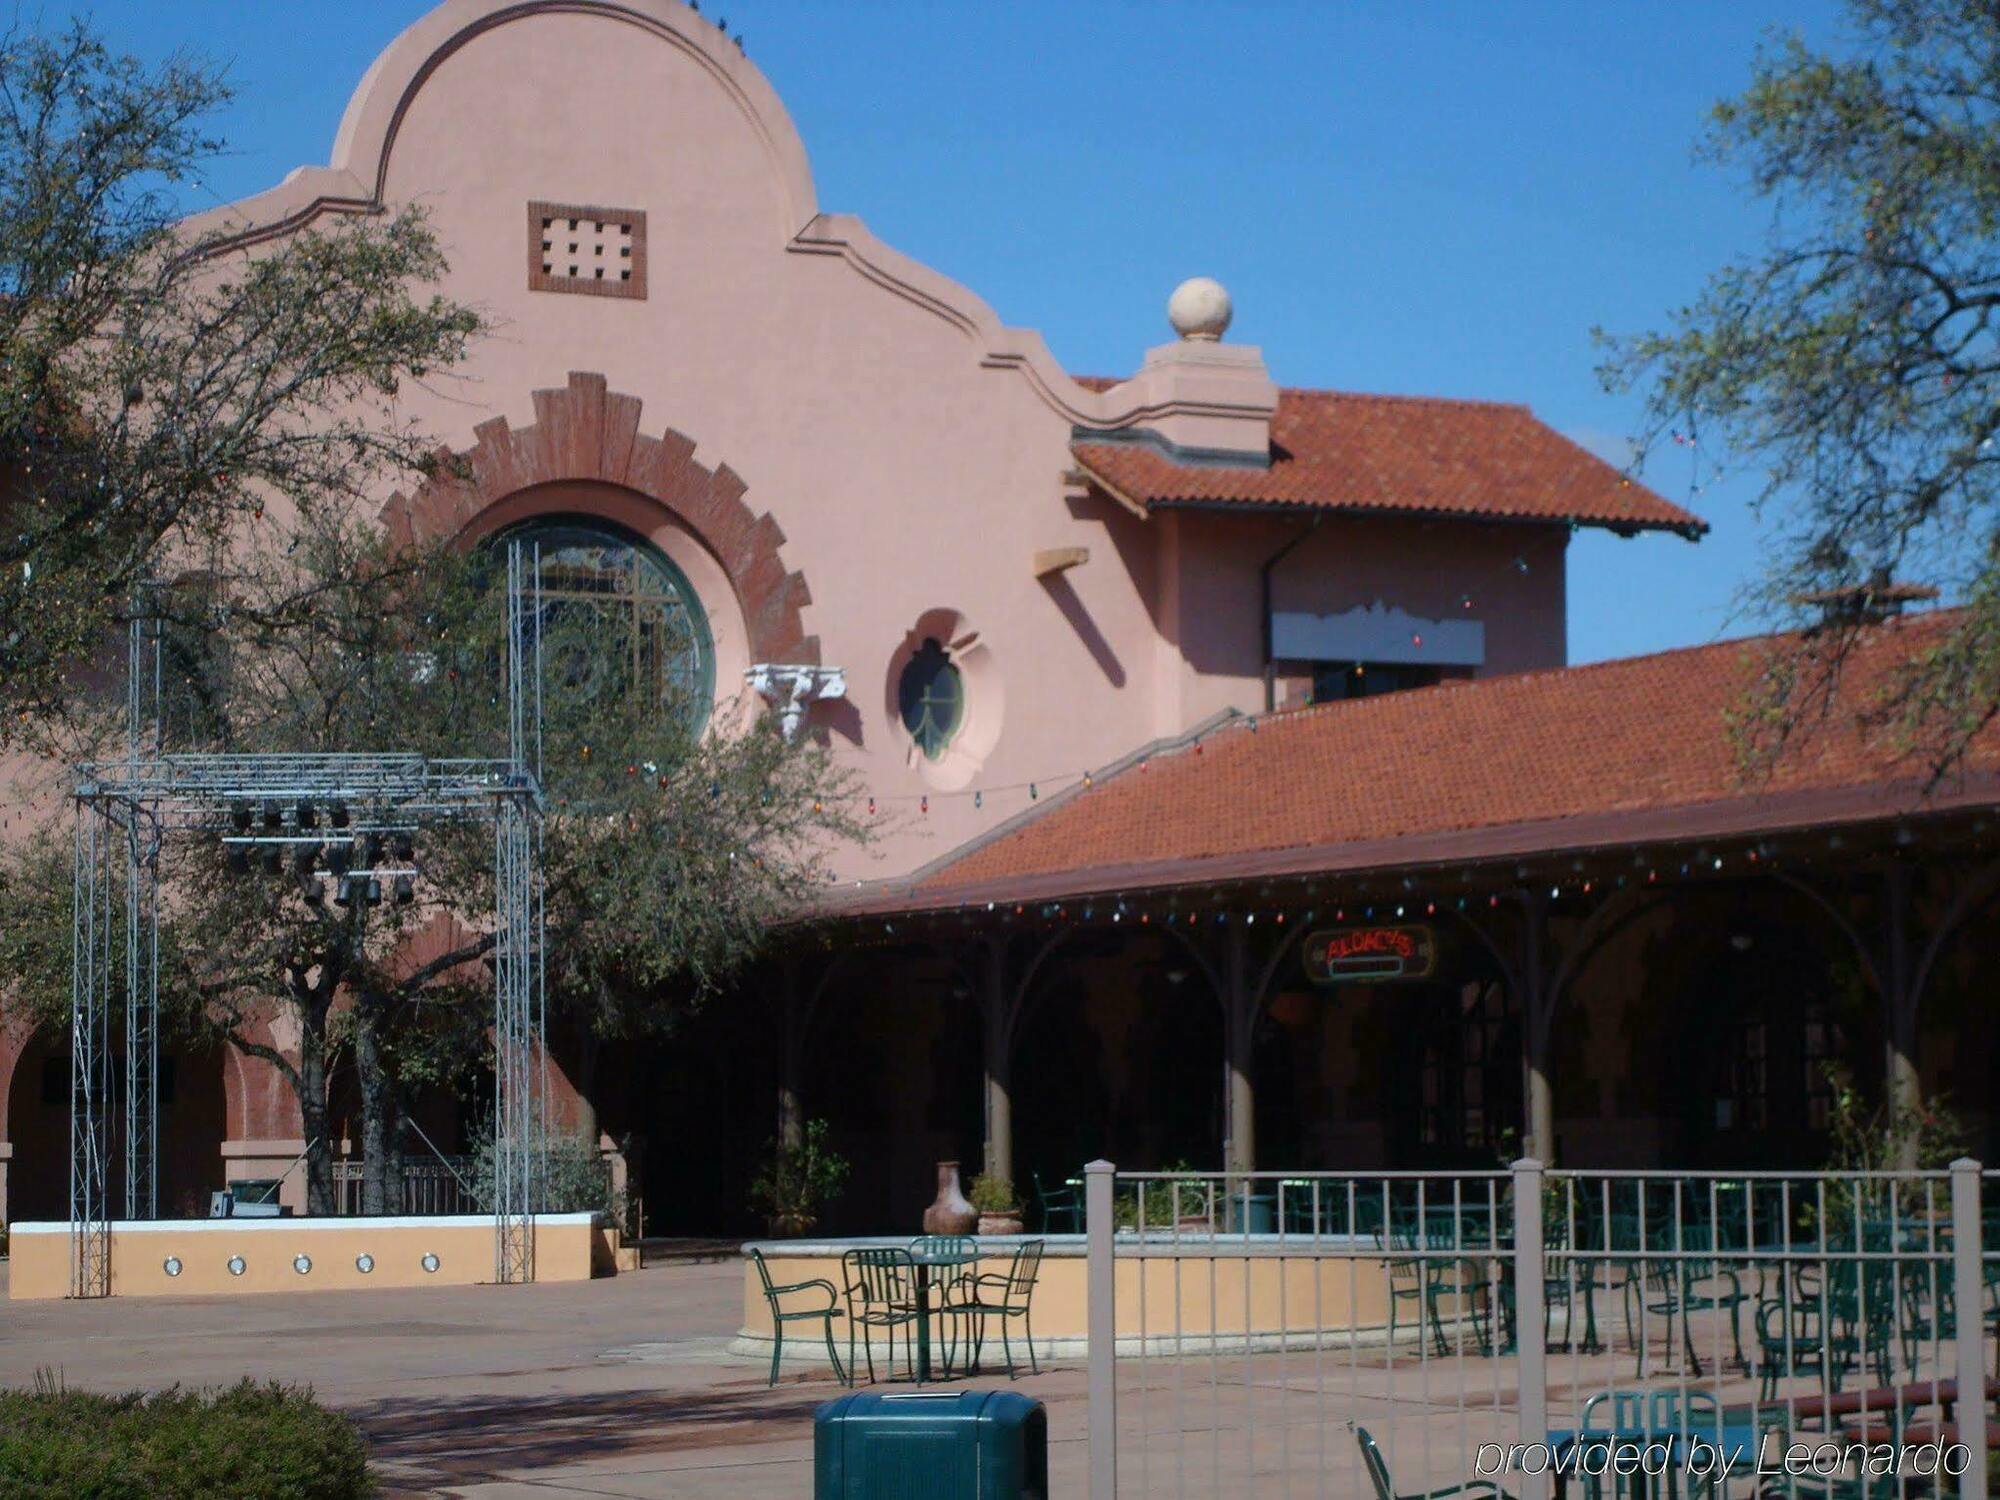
<point x="1074" y="611"/>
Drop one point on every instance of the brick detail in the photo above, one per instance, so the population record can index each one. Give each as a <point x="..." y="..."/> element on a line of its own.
<point x="586" y="432"/>
<point x="587" y="249"/>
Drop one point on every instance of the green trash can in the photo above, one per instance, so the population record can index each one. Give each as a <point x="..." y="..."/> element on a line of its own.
<point x="923" y="1445"/>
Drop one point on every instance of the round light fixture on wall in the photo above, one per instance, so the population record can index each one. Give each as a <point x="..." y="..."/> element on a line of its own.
<point x="364" y="1263"/>
<point x="171" y="1265"/>
<point x="430" y="1261"/>
<point x="302" y="1263"/>
<point x="236" y="1265"/>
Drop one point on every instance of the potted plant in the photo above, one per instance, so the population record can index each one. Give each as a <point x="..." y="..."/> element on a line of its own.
<point x="797" y="1181"/>
<point x="999" y="1209"/>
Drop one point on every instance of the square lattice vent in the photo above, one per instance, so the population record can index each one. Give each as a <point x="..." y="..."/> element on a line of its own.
<point x="574" y="247"/>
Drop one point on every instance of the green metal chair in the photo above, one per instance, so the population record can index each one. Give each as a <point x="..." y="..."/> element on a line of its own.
<point x="1064" y="1205"/>
<point x="1385" y="1488"/>
<point x="779" y="1317"/>
<point x="1465" y="1278"/>
<point x="881" y="1292"/>
<point x="1793" y="1339"/>
<point x="1680" y="1283"/>
<point x="1407" y="1278"/>
<point x="1005" y="1295"/>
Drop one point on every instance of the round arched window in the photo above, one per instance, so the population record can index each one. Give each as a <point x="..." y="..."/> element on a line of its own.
<point x="647" y="632"/>
<point x="931" y="694"/>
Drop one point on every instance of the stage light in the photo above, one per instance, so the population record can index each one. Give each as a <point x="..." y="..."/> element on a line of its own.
<point x="337" y="815"/>
<point x="239" y="816"/>
<point x="343" y="894"/>
<point x="403" y="846"/>
<point x="372" y="850"/>
<point x="374" y="891"/>
<point x="340" y="857"/>
<point x="304" y="857"/>
<point x="311" y="889"/>
<point x="236" y="858"/>
<point x="405" y="890"/>
<point x="274" y="816"/>
<point x="274" y="858"/>
<point x="304" y="815"/>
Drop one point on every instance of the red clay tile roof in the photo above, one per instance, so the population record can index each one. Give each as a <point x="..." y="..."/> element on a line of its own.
<point x="1617" y="753"/>
<point x="1398" y="453"/>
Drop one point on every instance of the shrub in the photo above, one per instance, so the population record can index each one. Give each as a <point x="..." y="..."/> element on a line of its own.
<point x="577" y="1178"/>
<point x="1168" y="1199"/>
<point x="249" y="1442"/>
<point x="796" y="1181"/>
<point x="992" y="1194"/>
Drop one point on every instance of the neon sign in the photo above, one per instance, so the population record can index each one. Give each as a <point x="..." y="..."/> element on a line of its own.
<point x="1370" y="955"/>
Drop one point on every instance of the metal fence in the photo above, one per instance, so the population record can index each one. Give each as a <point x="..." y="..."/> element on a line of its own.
<point x="434" y="1186"/>
<point x="1287" y="1334"/>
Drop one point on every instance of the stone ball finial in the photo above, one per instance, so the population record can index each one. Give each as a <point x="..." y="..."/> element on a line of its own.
<point x="1200" y="309"/>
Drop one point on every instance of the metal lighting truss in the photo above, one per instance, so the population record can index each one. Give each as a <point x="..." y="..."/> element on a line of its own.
<point x="126" y="809"/>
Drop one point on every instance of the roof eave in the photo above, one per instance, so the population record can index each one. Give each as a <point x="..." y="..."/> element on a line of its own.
<point x="1726" y="818"/>
<point x="1692" y="529"/>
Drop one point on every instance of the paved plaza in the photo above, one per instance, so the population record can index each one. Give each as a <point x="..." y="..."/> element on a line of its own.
<point x="624" y="1387"/>
<point x="613" y="1387"/>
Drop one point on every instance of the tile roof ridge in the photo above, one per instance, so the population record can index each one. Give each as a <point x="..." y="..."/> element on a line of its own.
<point x="1335" y="393"/>
<point x="1341" y="393"/>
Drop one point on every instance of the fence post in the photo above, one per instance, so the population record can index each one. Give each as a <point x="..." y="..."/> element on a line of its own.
<point x="1968" y="1292"/>
<point x="1101" y="1292"/>
<point x="1528" y="1318"/>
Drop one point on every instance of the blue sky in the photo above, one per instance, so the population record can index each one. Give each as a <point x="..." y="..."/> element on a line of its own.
<point x="1436" y="199"/>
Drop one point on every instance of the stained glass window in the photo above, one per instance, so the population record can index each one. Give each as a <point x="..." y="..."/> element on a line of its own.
<point x="643" y="619"/>
<point x="931" y="693"/>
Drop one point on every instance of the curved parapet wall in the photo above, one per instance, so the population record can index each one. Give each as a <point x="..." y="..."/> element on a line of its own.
<point x="1235" y="1299"/>
<point x="359" y="180"/>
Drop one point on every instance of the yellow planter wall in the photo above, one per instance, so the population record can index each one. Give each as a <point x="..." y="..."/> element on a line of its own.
<point x="566" y="1248"/>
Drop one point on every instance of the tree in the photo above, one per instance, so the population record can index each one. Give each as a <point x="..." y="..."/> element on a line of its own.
<point x="1854" y="362"/>
<point x="671" y="843"/>
<point x="164" y="388"/>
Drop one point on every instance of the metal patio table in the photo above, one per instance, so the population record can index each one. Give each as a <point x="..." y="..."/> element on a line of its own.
<point x="941" y="1252"/>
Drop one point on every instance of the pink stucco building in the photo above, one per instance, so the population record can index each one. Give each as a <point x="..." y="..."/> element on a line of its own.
<point x="976" y="574"/>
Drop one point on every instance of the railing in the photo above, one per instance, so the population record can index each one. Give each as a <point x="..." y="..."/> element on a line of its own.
<point x="432" y="1186"/>
<point x="1280" y="1334"/>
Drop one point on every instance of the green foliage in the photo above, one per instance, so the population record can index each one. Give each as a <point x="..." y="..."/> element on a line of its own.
<point x="670" y="848"/>
<point x="577" y="1177"/>
<point x="159" y="388"/>
<point x="1853" y="363"/>
<point x="219" y="428"/>
<point x="991" y="1194"/>
<point x="1166" y="1200"/>
<point x="1885" y="1138"/>
<point x="796" y="1182"/>
<point x="250" y="1442"/>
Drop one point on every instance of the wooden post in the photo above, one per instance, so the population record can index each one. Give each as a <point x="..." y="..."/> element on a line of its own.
<point x="791" y="1049"/>
<point x="1538" y="1087"/>
<point x="1901" y="1087"/>
<point x="997" y="1061"/>
<point x="1239" y="1029"/>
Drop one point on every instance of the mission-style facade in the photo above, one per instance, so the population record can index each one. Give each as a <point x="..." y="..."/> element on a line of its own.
<point x="1124" y="667"/>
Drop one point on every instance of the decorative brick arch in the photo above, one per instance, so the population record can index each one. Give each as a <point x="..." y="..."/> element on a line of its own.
<point x="585" y="432"/>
